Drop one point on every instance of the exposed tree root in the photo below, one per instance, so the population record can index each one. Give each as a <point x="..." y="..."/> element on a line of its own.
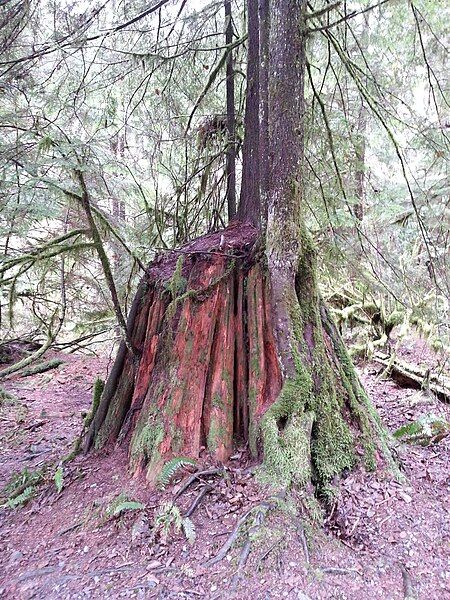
<point x="190" y="480"/>
<point x="259" y="511"/>
<point x="245" y="553"/>
<point x="203" y="492"/>
<point x="304" y="543"/>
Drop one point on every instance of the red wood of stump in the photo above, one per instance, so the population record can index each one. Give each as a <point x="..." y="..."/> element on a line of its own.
<point x="207" y="368"/>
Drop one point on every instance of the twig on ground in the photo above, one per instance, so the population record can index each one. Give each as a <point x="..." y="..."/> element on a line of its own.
<point x="339" y="571"/>
<point x="408" y="587"/>
<point x="205" y="490"/>
<point x="220" y="534"/>
<point x="71" y="528"/>
<point x="303" y="541"/>
<point x="34" y="426"/>
<point x="262" y="508"/>
<point x="190" y="480"/>
<point x="272" y="547"/>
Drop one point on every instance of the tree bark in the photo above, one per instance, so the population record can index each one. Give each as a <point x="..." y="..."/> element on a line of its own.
<point x="231" y="118"/>
<point x="264" y="162"/>
<point x="285" y="129"/>
<point x="250" y="200"/>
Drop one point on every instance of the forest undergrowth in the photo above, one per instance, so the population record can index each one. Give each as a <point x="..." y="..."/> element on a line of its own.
<point x="85" y="529"/>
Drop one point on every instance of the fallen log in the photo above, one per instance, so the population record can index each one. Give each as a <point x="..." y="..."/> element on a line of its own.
<point x="42" y="367"/>
<point x="406" y="375"/>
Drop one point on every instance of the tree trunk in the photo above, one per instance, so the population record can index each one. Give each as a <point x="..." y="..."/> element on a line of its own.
<point x="322" y="409"/>
<point x="250" y="199"/>
<point x="234" y="343"/>
<point x="264" y="162"/>
<point x="231" y="118"/>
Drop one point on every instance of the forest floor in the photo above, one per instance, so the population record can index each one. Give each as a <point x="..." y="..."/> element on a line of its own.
<point x="383" y="539"/>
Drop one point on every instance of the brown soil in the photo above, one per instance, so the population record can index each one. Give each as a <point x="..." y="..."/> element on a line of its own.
<point x="62" y="545"/>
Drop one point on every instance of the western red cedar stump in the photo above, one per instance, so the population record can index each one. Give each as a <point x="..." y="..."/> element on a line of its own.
<point x="205" y="371"/>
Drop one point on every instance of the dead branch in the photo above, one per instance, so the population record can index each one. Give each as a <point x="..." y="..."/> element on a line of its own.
<point x="262" y="509"/>
<point x="190" y="480"/>
<point x="205" y="490"/>
<point x="42" y="367"/>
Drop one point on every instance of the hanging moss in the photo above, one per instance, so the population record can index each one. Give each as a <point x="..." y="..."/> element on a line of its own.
<point x="286" y="434"/>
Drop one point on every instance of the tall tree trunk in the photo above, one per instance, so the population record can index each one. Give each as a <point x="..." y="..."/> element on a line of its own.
<point x="231" y="118"/>
<point x="360" y="173"/>
<point x="264" y="158"/>
<point x="361" y="127"/>
<point x="118" y="212"/>
<point x="250" y="200"/>
<point x="321" y="403"/>
<point x="285" y="128"/>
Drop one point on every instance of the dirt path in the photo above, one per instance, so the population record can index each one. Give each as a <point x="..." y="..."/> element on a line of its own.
<point x="64" y="545"/>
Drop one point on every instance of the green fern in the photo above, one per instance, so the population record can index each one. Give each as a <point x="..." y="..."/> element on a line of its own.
<point x="17" y="491"/>
<point x="22" y="498"/>
<point x="407" y="430"/>
<point x="171" y="467"/>
<point x="427" y="429"/>
<point x="58" y="478"/>
<point x="168" y="516"/>
<point x="127" y="505"/>
<point x="120" y="504"/>
<point x="189" y="530"/>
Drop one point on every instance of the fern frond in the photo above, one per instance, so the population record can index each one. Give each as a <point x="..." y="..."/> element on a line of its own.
<point x="127" y="505"/>
<point x="426" y="430"/>
<point x="22" y="498"/>
<point x="168" y="516"/>
<point x="171" y="467"/>
<point x="409" y="429"/>
<point x="58" y="478"/>
<point x="189" y="530"/>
